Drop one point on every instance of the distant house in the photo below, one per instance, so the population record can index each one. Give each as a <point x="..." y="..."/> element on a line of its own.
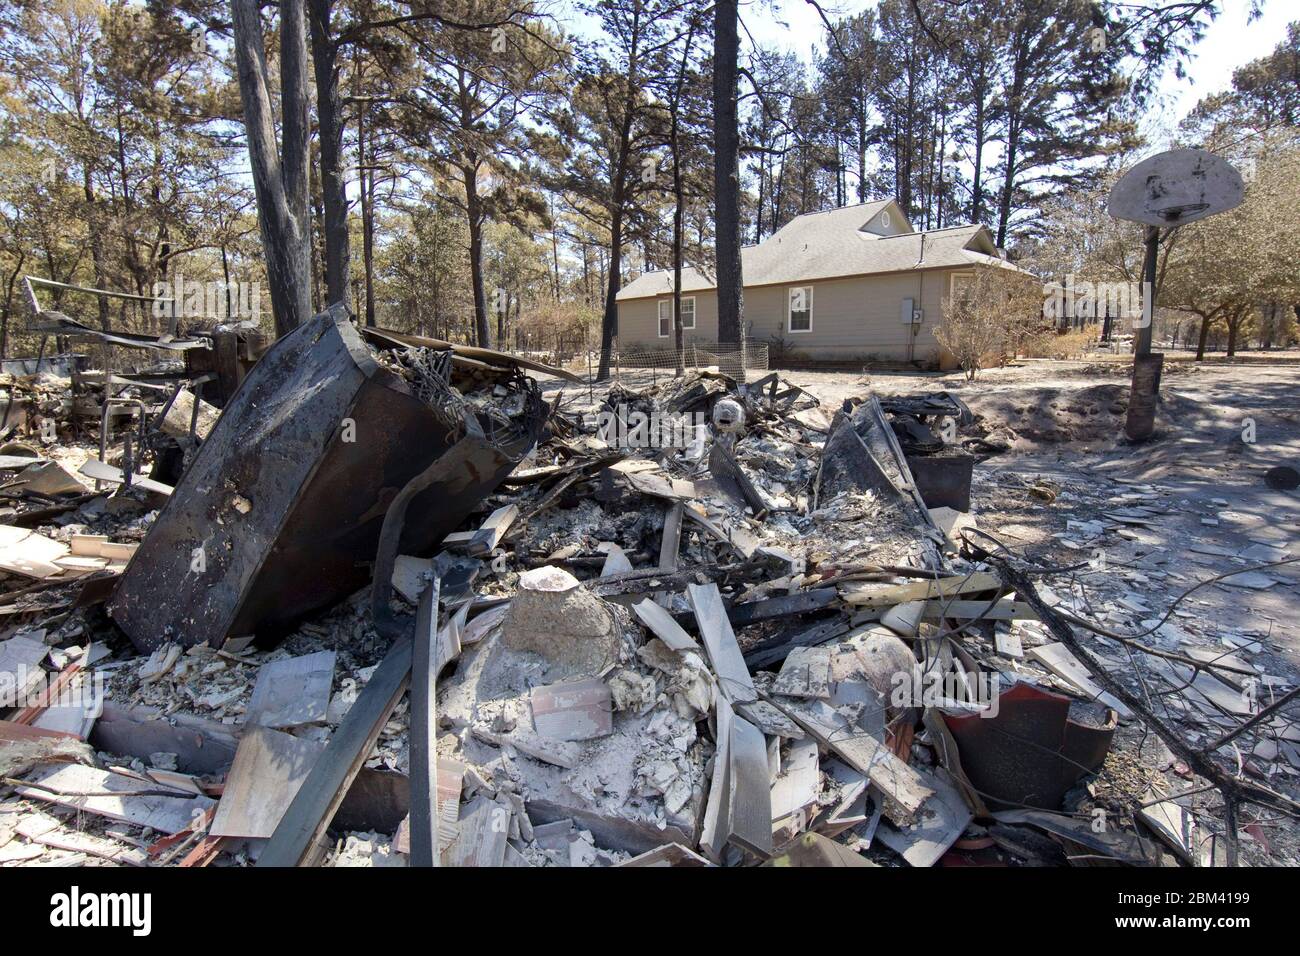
<point x="856" y="283"/>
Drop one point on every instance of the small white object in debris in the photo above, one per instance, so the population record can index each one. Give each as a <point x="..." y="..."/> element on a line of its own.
<point x="368" y="850"/>
<point x="162" y="761"/>
<point x="547" y="578"/>
<point x="729" y="415"/>
<point x="160" y="662"/>
<point x="633" y="691"/>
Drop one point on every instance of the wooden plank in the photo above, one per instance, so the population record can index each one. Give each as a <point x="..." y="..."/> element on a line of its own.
<point x="766" y="653"/>
<point x="292" y="692"/>
<point x="423" y="734"/>
<point x="270" y="768"/>
<point x="670" y="854"/>
<point x="751" y="612"/>
<point x="903" y="789"/>
<point x="715" y="826"/>
<point x="664" y="626"/>
<point x="734" y="680"/>
<point x="805" y="673"/>
<point x="749" y="815"/>
<point x="999" y="610"/>
<point x="74" y="703"/>
<point x="489" y="535"/>
<point x="670" y="543"/>
<point x="1058" y="659"/>
<point x="46" y="830"/>
<point x="12" y="732"/>
<point x="309" y="815"/>
<point x="733" y="675"/>
<point x="939" y="826"/>
<point x="557" y="752"/>
<point x="887" y="595"/>
<point x="484" y="827"/>
<point x="113" y="795"/>
<point x="799" y="782"/>
<point x="102" y="471"/>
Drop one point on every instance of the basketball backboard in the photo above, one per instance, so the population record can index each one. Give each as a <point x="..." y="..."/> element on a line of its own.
<point x="1176" y="187"/>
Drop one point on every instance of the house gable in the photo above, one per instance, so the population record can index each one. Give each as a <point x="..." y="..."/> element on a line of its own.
<point x="889" y="221"/>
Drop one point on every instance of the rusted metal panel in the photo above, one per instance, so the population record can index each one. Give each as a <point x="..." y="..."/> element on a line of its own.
<point x="1034" y="750"/>
<point x="280" y="512"/>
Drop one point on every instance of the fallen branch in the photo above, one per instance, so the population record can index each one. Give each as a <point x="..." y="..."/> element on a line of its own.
<point x="1233" y="789"/>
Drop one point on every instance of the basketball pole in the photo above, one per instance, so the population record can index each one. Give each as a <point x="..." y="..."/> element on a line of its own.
<point x="1144" y="391"/>
<point x="1143" y="345"/>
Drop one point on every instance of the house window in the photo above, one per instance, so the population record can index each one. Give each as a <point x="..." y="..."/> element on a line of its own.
<point x="666" y="315"/>
<point x="884" y="219"/>
<point x="800" y="309"/>
<point x="960" y="283"/>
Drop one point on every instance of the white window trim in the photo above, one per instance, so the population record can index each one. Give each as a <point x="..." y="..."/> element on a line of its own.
<point x="884" y="219"/>
<point x="952" y="281"/>
<point x="790" y="328"/>
<point x="659" y="316"/>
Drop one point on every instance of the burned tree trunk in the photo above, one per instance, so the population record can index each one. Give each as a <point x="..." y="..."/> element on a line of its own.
<point x="679" y="197"/>
<point x="726" y="172"/>
<point x="474" y="212"/>
<point x="279" y="174"/>
<point x="324" y="55"/>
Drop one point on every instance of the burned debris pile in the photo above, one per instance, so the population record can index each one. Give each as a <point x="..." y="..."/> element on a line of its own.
<point x="398" y="609"/>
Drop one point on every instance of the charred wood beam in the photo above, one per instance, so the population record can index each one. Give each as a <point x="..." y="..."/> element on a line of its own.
<point x="424" y="731"/>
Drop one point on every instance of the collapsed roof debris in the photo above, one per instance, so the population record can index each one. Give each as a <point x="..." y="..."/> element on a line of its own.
<point x="398" y="610"/>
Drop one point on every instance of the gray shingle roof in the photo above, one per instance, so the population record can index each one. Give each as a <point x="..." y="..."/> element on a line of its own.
<point x="832" y="245"/>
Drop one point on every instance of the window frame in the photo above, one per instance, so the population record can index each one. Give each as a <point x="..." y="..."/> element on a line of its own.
<point x="691" y="300"/>
<point x="955" y="279"/>
<point x="789" y="311"/>
<point x="659" y="316"/>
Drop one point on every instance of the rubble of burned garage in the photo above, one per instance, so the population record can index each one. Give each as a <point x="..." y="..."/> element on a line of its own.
<point x="401" y="605"/>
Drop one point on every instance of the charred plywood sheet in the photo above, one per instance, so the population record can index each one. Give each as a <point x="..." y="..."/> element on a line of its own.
<point x="281" y="510"/>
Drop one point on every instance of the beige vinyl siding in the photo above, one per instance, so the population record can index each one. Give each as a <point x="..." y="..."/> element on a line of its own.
<point x="858" y="318"/>
<point x="638" y="321"/>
